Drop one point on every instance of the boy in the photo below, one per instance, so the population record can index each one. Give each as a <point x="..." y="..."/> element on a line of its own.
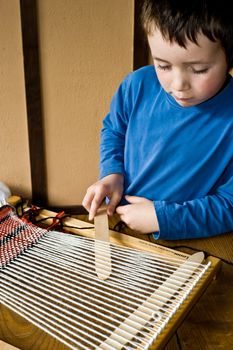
<point x="167" y="143"/>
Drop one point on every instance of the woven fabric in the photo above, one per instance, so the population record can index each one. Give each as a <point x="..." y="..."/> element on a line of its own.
<point x="16" y="236"/>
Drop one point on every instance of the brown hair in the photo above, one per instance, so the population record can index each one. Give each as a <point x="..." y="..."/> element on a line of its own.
<point x="180" y="21"/>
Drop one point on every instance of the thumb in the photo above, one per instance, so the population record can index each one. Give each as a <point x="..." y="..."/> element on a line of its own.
<point x="134" y="199"/>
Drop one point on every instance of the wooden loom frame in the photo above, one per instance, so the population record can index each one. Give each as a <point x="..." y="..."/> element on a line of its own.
<point x="20" y="333"/>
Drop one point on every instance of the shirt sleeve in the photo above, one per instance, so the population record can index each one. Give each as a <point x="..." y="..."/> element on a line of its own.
<point x="197" y="218"/>
<point x="113" y="134"/>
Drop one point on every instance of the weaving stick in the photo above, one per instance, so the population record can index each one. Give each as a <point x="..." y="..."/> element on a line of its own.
<point x="173" y="280"/>
<point x="102" y="241"/>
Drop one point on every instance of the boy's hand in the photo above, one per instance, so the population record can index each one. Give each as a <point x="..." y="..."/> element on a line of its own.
<point x="139" y="215"/>
<point x="110" y="186"/>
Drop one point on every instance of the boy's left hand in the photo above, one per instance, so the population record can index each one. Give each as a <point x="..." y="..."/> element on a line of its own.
<point x="139" y="215"/>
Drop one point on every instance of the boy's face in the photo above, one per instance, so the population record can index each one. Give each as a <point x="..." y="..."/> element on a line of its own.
<point x="191" y="75"/>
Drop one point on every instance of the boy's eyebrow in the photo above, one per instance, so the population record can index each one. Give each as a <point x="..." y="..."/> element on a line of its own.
<point x="188" y="62"/>
<point x="160" y="59"/>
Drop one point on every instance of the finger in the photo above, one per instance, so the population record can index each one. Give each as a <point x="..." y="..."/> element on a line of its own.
<point x="134" y="199"/>
<point x="121" y="209"/>
<point x="114" y="200"/>
<point x="95" y="204"/>
<point x="87" y="200"/>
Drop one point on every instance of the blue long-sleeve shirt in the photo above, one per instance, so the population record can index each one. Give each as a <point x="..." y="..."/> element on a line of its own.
<point x="179" y="157"/>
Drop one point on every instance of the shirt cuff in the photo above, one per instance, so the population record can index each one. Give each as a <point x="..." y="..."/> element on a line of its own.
<point x="161" y="217"/>
<point x="109" y="171"/>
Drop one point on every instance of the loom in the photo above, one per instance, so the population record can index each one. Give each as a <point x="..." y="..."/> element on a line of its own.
<point x="49" y="281"/>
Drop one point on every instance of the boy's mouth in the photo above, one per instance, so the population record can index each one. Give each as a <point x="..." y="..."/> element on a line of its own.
<point x="182" y="98"/>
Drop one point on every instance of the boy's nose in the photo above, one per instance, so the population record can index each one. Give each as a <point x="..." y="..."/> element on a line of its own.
<point x="179" y="83"/>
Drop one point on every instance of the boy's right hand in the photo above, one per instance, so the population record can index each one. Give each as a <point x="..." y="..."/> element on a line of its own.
<point x="110" y="186"/>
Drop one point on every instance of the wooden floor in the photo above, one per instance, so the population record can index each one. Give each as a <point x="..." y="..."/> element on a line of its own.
<point x="209" y="326"/>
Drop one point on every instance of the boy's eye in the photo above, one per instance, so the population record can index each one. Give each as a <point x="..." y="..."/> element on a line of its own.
<point x="200" y="71"/>
<point x="163" y="67"/>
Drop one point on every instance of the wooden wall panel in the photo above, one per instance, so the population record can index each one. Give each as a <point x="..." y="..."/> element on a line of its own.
<point x="14" y="150"/>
